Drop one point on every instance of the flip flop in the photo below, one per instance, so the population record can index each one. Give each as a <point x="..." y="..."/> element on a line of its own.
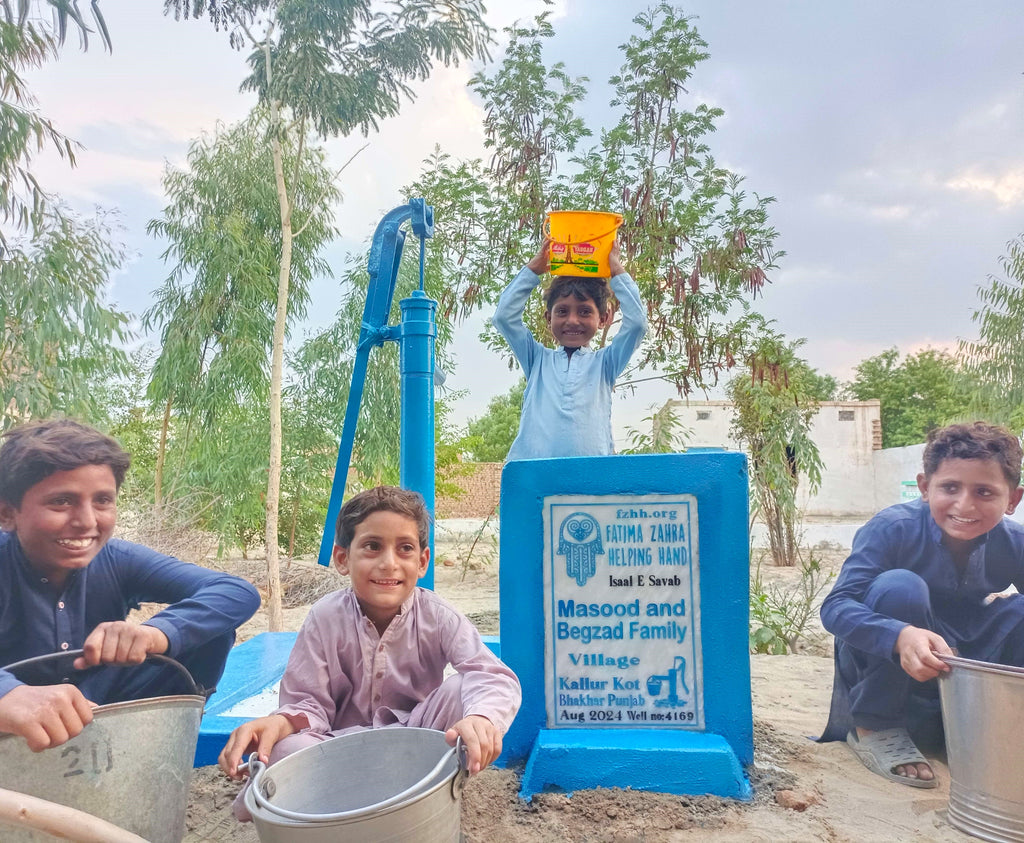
<point x="881" y="752"/>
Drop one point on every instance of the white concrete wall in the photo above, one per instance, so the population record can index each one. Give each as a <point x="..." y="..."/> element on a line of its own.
<point x="845" y="432"/>
<point x="895" y="470"/>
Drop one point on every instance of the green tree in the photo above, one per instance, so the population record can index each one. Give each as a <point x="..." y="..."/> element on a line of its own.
<point x="59" y="332"/>
<point x="666" y="433"/>
<point x="216" y="312"/>
<point x="996" y="360"/>
<point x="697" y="244"/>
<point x="328" y="68"/>
<point x="28" y="40"/>
<point x="490" y="436"/>
<point x="918" y="394"/>
<point x="774" y="405"/>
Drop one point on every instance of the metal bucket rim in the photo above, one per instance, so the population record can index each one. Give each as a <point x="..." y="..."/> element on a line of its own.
<point x="271" y="818"/>
<point x="182" y="700"/>
<point x="425" y="787"/>
<point x="983" y="667"/>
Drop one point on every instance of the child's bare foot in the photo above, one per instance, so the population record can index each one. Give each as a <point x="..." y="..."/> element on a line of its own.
<point x="892" y="754"/>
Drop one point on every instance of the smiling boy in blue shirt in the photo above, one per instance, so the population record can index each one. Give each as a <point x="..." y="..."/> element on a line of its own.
<point x="67" y="585"/>
<point x="919" y="583"/>
<point x="567" y="409"/>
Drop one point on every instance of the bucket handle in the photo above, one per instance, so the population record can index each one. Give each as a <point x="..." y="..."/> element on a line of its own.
<point x="257" y="768"/>
<point x="197" y="689"/>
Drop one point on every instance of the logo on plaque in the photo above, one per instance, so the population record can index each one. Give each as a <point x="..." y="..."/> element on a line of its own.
<point x="579" y="541"/>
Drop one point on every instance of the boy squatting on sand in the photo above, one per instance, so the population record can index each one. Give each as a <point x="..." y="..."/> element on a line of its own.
<point x="374" y="654"/>
<point x="66" y="585"/>
<point x="920" y="581"/>
<point x="567" y="405"/>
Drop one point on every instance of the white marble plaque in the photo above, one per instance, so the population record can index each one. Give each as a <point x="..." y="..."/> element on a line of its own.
<point x="622" y="611"/>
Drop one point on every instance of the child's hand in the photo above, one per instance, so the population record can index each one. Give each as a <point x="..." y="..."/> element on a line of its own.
<point x="120" y="642"/>
<point x="541" y="262"/>
<point x="259" y="735"/>
<point x="44" y="715"/>
<point x="614" y="260"/>
<point x="917" y="648"/>
<point x="481" y="737"/>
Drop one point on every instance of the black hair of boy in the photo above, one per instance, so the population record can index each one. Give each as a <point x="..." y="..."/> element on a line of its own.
<point x="583" y="289"/>
<point x="382" y="499"/>
<point x="976" y="441"/>
<point x="32" y="452"/>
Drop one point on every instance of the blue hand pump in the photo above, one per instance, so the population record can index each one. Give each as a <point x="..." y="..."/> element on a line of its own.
<point x="415" y="335"/>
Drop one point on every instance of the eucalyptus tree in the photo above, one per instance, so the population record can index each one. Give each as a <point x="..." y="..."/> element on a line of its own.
<point x="219" y="308"/>
<point x="996" y="358"/>
<point x="329" y="68"/>
<point x="774" y="403"/>
<point x="28" y="38"/>
<point x="60" y="333"/>
<point x="698" y="244"/>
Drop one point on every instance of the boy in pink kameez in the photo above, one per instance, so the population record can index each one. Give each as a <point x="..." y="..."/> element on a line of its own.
<point x="374" y="654"/>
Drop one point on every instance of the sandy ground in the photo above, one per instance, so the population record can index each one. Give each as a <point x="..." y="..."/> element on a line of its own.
<point x="802" y="790"/>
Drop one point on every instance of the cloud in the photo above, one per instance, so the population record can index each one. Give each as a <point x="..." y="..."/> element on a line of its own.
<point x="1006" y="187"/>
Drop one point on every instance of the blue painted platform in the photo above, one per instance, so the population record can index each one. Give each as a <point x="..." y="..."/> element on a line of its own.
<point x="252" y="666"/>
<point x="660" y="760"/>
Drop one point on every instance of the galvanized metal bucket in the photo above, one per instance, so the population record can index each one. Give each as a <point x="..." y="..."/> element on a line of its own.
<point x="983" y="715"/>
<point x="393" y="785"/>
<point x="131" y="766"/>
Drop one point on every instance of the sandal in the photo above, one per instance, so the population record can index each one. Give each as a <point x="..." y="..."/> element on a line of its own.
<point x="882" y="752"/>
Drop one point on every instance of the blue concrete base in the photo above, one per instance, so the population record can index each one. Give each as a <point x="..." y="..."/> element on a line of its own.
<point x="661" y="760"/>
<point x="252" y="666"/>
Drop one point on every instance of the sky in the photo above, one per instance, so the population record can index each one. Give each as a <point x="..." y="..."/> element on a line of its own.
<point x="889" y="134"/>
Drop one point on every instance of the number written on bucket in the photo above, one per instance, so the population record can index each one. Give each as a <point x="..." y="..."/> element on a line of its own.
<point x="95" y="758"/>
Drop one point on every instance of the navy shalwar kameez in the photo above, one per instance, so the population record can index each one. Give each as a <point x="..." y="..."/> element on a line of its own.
<point x="899" y="572"/>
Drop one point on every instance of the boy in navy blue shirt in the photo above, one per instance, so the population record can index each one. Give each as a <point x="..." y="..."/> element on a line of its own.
<point x="66" y="585"/>
<point x="919" y="583"/>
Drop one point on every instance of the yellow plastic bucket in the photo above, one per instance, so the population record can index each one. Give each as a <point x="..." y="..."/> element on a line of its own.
<point x="581" y="241"/>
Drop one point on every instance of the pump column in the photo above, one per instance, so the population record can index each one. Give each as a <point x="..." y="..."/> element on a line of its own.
<point x="416" y="463"/>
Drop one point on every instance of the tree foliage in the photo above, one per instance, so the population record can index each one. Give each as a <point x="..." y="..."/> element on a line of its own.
<point x="215" y="312"/>
<point x="59" y="332"/>
<point x="698" y="245"/>
<point x="918" y="394"/>
<point x="665" y="434"/>
<point x="774" y="404"/>
<point x="491" y="435"/>
<point x="996" y="358"/>
<point x="327" y="67"/>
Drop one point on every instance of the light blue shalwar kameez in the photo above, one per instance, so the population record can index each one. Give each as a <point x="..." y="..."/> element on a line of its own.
<point x="567" y="406"/>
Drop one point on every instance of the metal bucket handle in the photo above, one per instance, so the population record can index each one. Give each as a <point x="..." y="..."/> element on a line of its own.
<point x="197" y="689"/>
<point x="257" y="768"/>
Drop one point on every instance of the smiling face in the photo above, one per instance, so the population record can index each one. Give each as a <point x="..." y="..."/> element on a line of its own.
<point x="967" y="498"/>
<point x="64" y="519"/>
<point x="384" y="562"/>
<point x="573" y="321"/>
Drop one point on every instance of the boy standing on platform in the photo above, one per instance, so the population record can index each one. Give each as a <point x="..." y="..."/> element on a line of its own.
<point x="374" y="654"/>
<point x="66" y="585"/>
<point x="923" y="579"/>
<point x="567" y="408"/>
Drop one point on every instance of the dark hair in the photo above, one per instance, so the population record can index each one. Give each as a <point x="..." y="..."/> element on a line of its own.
<point x="382" y="498"/>
<point x="595" y="289"/>
<point x="976" y="441"/>
<point x="32" y="452"/>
